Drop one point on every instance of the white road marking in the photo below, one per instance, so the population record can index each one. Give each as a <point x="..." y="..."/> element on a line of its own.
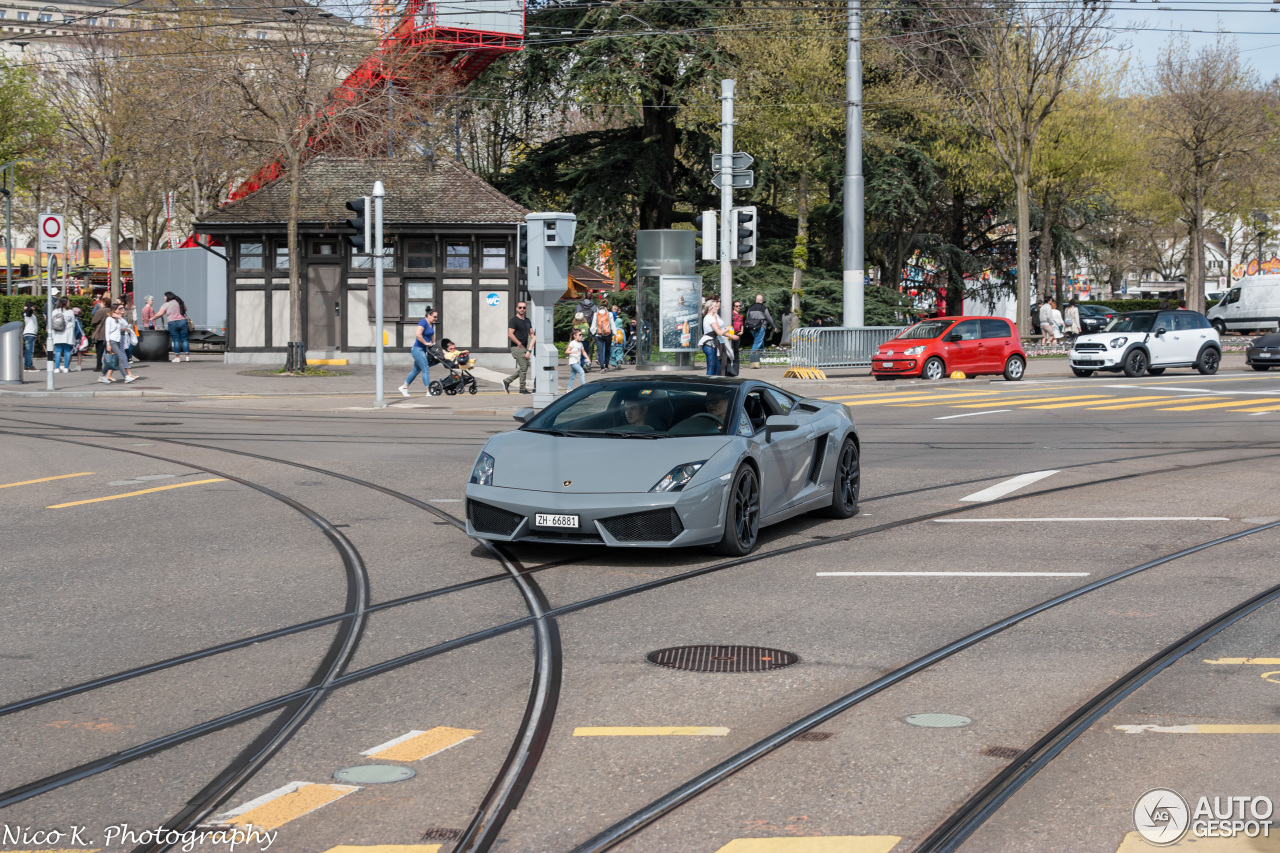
<point x="971" y="414"/>
<point x="1255" y="414"/>
<point x="954" y="574"/>
<point x="1117" y="518"/>
<point x="999" y="490"/>
<point x="1173" y="388"/>
<point x="444" y="500"/>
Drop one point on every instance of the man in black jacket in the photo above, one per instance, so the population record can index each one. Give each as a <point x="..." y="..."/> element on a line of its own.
<point x="756" y="321"/>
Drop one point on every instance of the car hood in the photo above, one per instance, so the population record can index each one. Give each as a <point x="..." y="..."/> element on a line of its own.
<point x="545" y="463"/>
<point x="896" y="346"/>
<point x="1271" y="340"/>
<point x="1107" y="337"/>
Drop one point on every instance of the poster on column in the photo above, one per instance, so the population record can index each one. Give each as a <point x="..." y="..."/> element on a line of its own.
<point x="679" y="312"/>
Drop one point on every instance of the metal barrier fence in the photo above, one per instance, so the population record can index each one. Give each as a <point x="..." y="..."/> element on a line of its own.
<point x="822" y="346"/>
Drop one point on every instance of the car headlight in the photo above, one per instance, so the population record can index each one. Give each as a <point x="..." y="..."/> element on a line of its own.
<point x="678" y="477"/>
<point x="914" y="351"/>
<point x="482" y="474"/>
<point x="1116" y="343"/>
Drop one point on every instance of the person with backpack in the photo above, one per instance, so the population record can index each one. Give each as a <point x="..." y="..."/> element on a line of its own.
<point x="62" y="335"/>
<point x="81" y="342"/>
<point x="757" y="321"/>
<point x="30" y="328"/>
<point x="603" y="329"/>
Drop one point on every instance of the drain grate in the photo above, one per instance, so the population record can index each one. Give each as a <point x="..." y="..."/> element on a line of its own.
<point x="441" y="833"/>
<point x="816" y="736"/>
<point x="1005" y="752"/>
<point x="722" y="658"/>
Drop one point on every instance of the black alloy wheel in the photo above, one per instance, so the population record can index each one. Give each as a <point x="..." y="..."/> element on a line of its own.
<point x="742" y="519"/>
<point x="847" y="484"/>
<point x="1135" y="363"/>
<point x="933" y="369"/>
<point x="1209" y="360"/>
<point x="1081" y="372"/>
<point x="1155" y="371"/>
<point x="1260" y="367"/>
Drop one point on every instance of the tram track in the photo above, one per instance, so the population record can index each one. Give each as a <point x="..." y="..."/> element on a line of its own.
<point x="523" y="758"/>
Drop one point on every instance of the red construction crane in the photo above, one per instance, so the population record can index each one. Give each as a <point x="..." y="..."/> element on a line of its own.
<point x="462" y="36"/>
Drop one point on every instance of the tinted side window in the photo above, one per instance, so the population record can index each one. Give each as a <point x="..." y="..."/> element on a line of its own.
<point x="1184" y="321"/>
<point x="995" y="329"/>
<point x="1164" y="321"/>
<point x="782" y="401"/>
<point x="1202" y="322"/>
<point x="969" y="330"/>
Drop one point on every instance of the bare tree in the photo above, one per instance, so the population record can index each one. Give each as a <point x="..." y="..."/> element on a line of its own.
<point x="1210" y="120"/>
<point x="1006" y="64"/>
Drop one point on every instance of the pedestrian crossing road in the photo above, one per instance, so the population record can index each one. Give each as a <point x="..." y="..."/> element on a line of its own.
<point x="1245" y="395"/>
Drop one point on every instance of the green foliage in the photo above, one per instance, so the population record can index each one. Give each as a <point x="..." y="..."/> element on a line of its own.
<point x="27" y="124"/>
<point x="1128" y="304"/>
<point x="821" y="300"/>
<point x="11" y="308"/>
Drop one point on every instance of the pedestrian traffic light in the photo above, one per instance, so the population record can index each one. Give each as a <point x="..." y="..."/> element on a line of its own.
<point x="522" y="245"/>
<point x="362" y="240"/>
<point x="745" y="234"/>
<point x="706" y="221"/>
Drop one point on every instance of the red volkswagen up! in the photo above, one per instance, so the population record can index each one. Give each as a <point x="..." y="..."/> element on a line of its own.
<point x="932" y="349"/>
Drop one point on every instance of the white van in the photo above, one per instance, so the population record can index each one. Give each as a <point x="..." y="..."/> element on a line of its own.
<point x="1252" y="304"/>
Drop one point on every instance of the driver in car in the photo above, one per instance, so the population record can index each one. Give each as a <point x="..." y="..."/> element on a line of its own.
<point x="718" y="406"/>
<point x="636" y="412"/>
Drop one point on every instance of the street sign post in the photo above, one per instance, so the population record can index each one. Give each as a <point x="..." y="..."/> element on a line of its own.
<point x="52" y="233"/>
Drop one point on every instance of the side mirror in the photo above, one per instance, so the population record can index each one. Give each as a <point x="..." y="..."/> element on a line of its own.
<point x="523" y="415"/>
<point x="956" y="336"/>
<point x="1160" y="331"/>
<point x="779" y="423"/>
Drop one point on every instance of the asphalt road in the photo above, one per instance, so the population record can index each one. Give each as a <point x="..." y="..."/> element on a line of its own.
<point x="320" y="546"/>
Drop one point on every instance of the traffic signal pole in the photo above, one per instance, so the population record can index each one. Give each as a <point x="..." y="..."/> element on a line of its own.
<point x="854" y="274"/>
<point x="728" y="239"/>
<point x="379" y="192"/>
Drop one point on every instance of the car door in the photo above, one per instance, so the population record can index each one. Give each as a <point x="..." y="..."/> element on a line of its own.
<point x="997" y="344"/>
<point x="1160" y="344"/>
<point x="782" y="456"/>
<point x="1188" y="335"/>
<point x="962" y="346"/>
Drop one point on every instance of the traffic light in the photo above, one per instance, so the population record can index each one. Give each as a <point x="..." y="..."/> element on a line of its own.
<point x="362" y="240"/>
<point x="745" y="234"/>
<point x="522" y="245"/>
<point x="706" y="222"/>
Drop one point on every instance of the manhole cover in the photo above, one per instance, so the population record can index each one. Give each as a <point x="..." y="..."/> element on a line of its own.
<point x="157" y="423"/>
<point x="722" y="658"/>
<point x="374" y="774"/>
<point x="938" y="721"/>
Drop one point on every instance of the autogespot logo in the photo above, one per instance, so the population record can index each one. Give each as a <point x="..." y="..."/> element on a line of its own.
<point x="1161" y="816"/>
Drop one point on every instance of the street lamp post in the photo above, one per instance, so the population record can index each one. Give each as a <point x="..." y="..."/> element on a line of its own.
<point x="6" y="170"/>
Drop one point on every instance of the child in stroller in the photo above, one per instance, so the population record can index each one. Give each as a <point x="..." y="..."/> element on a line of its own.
<point x="458" y="363"/>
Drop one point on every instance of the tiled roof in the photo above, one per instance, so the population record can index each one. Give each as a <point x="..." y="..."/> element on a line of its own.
<point x="418" y="193"/>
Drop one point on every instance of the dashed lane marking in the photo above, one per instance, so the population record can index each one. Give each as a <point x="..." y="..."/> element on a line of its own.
<point x="972" y="414"/>
<point x="953" y="574"/>
<point x="1079" y="404"/>
<point x="1118" y="518"/>
<point x="999" y="490"/>
<point x="46" y="479"/>
<point x="1152" y="401"/>
<point x="920" y="393"/>
<point x="385" y="848"/>
<point x="285" y="804"/>
<point x="135" y="494"/>
<point x="417" y="745"/>
<point x="1238" y="661"/>
<point x="1135" y="843"/>
<point x="1204" y="729"/>
<point x="649" y="731"/>
<point x="1225" y="405"/>
<point x="1093" y="398"/>
<point x="814" y="844"/>
<point x="932" y="397"/>
<point x="1260" y="410"/>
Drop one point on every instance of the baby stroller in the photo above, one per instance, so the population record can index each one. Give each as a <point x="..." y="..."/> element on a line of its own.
<point x="459" y="364"/>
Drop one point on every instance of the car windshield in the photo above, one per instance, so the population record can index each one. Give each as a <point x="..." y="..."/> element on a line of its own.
<point x="1132" y="323"/>
<point x="926" y="331"/>
<point x="638" y="410"/>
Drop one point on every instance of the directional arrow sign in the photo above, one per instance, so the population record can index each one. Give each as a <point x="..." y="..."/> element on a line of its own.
<point x="741" y="160"/>
<point x="743" y="180"/>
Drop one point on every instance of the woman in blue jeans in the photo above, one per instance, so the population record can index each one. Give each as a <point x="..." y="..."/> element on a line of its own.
<point x="174" y="311"/>
<point x="712" y="332"/>
<point x="30" y="328"/>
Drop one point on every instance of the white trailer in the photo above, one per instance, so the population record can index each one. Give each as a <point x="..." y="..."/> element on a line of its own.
<point x="197" y="275"/>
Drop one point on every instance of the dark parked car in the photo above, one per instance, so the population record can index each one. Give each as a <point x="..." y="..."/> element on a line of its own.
<point x="1094" y="318"/>
<point x="1263" y="352"/>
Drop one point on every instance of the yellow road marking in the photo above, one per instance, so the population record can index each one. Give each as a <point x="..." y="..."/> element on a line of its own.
<point x="1205" y="729"/>
<point x="385" y="848"/>
<point x="417" y="745"/>
<point x="893" y="395"/>
<point x="1134" y="843"/>
<point x="1262" y="661"/>
<point x="45" y="479"/>
<point x="1093" y="397"/>
<point x="285" y="804"/>
<point x="1074" y="405"/>
<point x="1152" y="401"/>
<point x="899" y="399"/>
<point x="1226" y="405"/>
<point x="1259" y="409"/>
<point x="647" y="731"/>
<point x="135" y="494"/>
<point x="814" y="844"/>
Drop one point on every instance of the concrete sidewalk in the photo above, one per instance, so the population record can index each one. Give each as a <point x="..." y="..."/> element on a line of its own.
<point x="206" y="377"/>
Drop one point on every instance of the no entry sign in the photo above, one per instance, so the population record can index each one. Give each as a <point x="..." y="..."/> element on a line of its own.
<point x="52" y="233"/>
